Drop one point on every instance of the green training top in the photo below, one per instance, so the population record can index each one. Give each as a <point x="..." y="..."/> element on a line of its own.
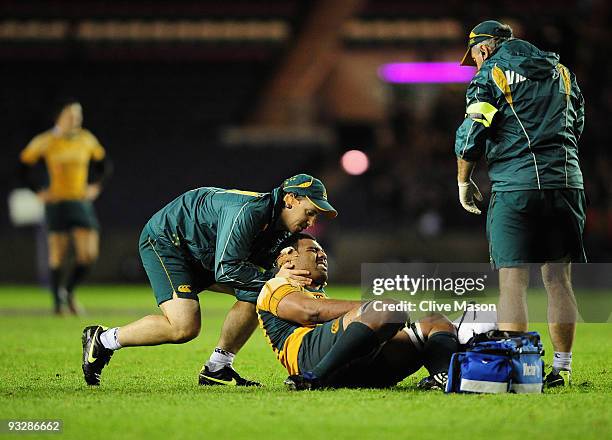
<point x="231" y="232"/>
<point x="284" y="336"/>
<point x="525" y="114"/>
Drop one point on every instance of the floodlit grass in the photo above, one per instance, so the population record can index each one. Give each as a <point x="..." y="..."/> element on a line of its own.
<point x="151" y="392"/>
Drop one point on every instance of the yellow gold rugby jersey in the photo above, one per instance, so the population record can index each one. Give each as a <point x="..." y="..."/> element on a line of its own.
<point x="285" y="337"/>
<point x="67" y="159"/>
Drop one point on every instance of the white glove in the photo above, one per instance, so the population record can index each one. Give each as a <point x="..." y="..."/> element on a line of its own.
<point x="467" y="192"/>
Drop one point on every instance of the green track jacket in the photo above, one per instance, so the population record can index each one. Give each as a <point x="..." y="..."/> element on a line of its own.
<point x="525" y="113"/>
<point x="231" y="232"/>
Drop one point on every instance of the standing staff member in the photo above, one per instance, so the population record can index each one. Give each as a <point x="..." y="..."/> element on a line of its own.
<point x="211" y="239"/>
<point x="67" y="150"/>
<point x="525" y="114"/>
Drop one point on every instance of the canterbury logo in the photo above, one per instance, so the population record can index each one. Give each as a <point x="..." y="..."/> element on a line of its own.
<point x="184" y="288"/>
<point x="513" y="77"/>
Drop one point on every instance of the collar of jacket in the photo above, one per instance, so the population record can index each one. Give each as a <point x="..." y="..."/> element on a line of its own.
<point x="276" y="196"/>
<point x="524" y="58"/>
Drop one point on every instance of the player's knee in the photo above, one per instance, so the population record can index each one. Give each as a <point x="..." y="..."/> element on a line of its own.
<point x="87" y="259"/>
<point x="553" y="272"/>
<point x="54" y="263"/>
<point x="92" y="256"/>
<point x="383" y="314"/>
<point x="436" y="322"/>
<point x="555" y="280"/>
<point x="184" y="334"/>
<point x="56" y="259"/>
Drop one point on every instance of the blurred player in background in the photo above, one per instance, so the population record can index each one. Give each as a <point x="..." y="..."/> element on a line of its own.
<point x="525" y="114"/>
<point x="324" y="342"/>
<point x="68" y="149"/>
<point x="211" y="239"/>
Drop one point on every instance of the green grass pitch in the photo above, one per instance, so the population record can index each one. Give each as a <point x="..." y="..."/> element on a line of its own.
<point x="151" y="392"/>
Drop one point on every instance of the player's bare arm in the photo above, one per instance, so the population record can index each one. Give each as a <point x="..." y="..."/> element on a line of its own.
<point x="303" y="309"/>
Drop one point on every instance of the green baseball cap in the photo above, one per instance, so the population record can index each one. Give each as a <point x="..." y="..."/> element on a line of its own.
<point x="484" y="31"/>
<point x="311" y="188"/>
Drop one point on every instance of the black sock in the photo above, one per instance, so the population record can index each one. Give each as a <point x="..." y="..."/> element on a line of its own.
<point x="438" y="351"/>
<point x="77" y="275"/>
<point x="358" y="340"/>
<point x="55" y="276"/>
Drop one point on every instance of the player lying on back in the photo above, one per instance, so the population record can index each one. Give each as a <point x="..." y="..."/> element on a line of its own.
<point x="324" y="342"/>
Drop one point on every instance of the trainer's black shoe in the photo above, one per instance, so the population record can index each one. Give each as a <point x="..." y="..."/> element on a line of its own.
<point x="558" y="379"/>
<point x="225" y="376"/>
<point x="95" y="355"/>
<point x="301" y="382"/>
<point x="435" y="382"/>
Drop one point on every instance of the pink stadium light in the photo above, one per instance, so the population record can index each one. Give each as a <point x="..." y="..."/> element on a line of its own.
<point x="355" y="162"/>
<point x="403" y="73"/>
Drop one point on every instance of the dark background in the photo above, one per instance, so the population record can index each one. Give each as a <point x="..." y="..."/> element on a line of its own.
<point x="175" y="114"/>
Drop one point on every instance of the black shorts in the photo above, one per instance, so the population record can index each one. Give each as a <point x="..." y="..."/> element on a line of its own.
<point x="66" y="215"/>
<point x="370" y="371"/>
